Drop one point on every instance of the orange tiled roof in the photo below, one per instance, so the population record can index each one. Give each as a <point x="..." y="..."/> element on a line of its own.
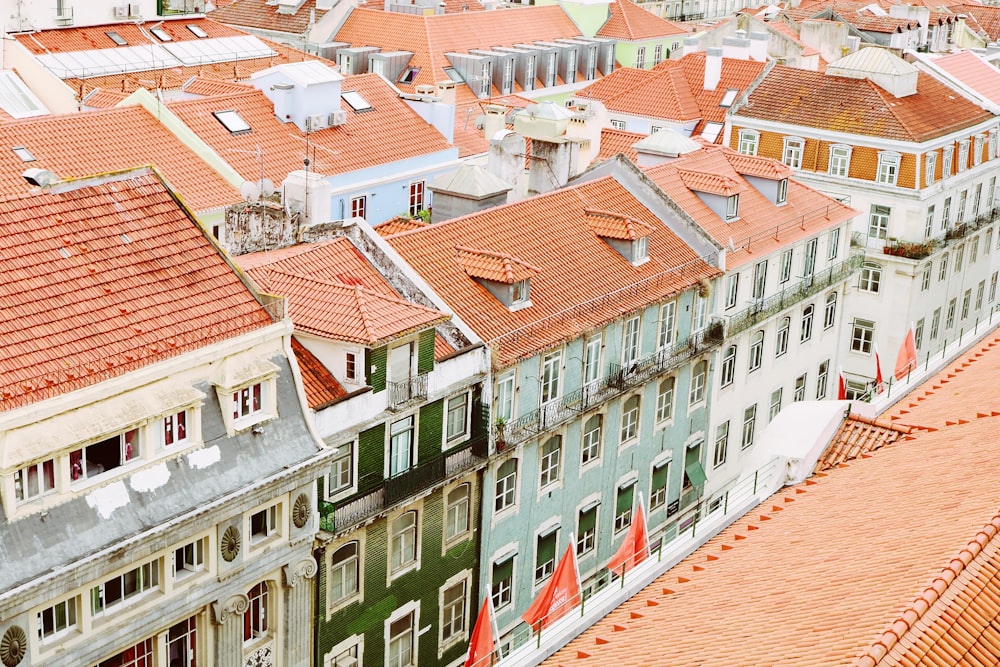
<point x="986" y="16"/>
<point x="103" y="99"/>
<point x="261" y="15"/>
<point x="320" y="385"/>
<point x="805" y="213"/>
<point x="327" y="286"/>
<point x="399" y="224"/>
<point x="104" y="280"/>
<point x="704" y="181"/>
<point x="858" y="106"/>
<point x="442" y="348"/>
<point x="389" y="132"/>
<point x="753" y="165"/>
<point x="94" y="142"/>
<point x="631" y="22"/>
<point x="859" y="436"/>
<point x="496" y="266"/>
<point x="614" y="142"/>
<point x="611" y="225"/>
<point x="885" y="24"/>
<point x="64" y="40"/>
<point x="207" y="87"/>
<point x="575" y="266"/>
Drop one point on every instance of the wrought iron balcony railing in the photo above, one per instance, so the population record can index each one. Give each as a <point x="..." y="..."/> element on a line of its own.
<point x="406" y="391"/>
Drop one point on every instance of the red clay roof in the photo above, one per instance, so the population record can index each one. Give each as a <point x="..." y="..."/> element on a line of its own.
<point x="263" y="16"/>
<point x="986" y="16"/>
<point x="805" y="213"/>
<point x="64" y="40"/>
<point x="334" y="292"/>
<point x="103" y="99"/>
<point x="207" y="87"/>
<point x="611" y="225"/>
<point x="320" y="385"/>
<point x="858" y="106"/>
<point x="884" y="24"/>
<point x="890" y="559"/>
<point x="859" y="436"/>
<point x="498" y="267"/>
<point x="619" y="141"/>
<point x="104" y="280"/>
<point x="574" y="265"/>
<point x="631" y="22"/>
<point x="94" y="142"/>
<point x="389" y="132"/>
<point x="399" y="224"/>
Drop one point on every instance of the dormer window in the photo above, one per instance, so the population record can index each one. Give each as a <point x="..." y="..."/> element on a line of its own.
<point x="504" y="276"/>
<point x="640" y="250"/>
<point x="732" y="207"/>
<point x="628" y="236"/>
<point x="519" y="292"/>
<point x="782" y="195"/>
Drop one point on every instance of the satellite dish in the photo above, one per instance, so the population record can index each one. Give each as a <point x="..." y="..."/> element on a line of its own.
<point x="265" y="186"/>
<point x="250" y="191"/>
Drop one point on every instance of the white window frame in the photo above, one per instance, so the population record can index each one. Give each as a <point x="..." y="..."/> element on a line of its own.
<point x="268" y="519"/>
<point x="355" y="644"/>
<point x="592" y="359"/>
<point x="888" y="168"/>
<point x="550" y="462"/>
<point x="732" y="290"/>
<point x="830" y="310"/>
<point x="667" y="325"/>
<point x="756" y="357"/>
<point x="409" y="610"/>
<point x="721" y="445"/>
<point x="505" y="488"/>
<point x="840" y="160"/>
<point x="781" y="337"/>
<point x="409" y="554"/>
<point x="504" y="399"/>
<point x="792" y="150"/>
<point x="775" y="405"/>
<point x="395" y="462"/>
<point x="631" y="332"/>
<point x="351" y="566"/>
<point x="456" y="407"/>
<point x="59" y="623"/>
<point x="786" y="266"/>
<point x="457" y="511"/>
<point x="44" y="473"/>
<point x="862" y="336"/>
<point x="665" y="399"/>
<point x="749" y="141"/>
<point x="749" y="425"/>
<point x="591" y="440"/>
<point x="458" y="624"/>
<point x="189" y="559"/>
<point x="727" y="372"/>
<point x="930" y="168"/>
<point x="629" y="431"/>
<point x="878" y="221"/>
<point x="696" y="393"/>
<point x="805" y="332"/>
<point x="549" y="377"/>
<point x="870" y="279"/>
<point x="343" y="464"/>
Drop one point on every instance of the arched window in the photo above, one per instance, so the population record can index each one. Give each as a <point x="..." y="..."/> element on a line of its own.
<point x="756" y="351"/>
<point x="871" y="277"/>
<point x="781" y="340"/>
<point x="830" y="312"/>
<point x="630" y="419"/>
<point x="343" y="572"/>
<point x="807" y="324"/>
<point x="506" y="488"/>
<point x="255" y="621"/>
<point x="697" y="391"/>
<point x="728" y="367"/>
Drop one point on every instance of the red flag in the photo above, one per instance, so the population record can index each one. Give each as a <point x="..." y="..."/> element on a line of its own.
<point x="482" y="643"/>
<point x="635" y="547"/>
<point x="906" y="361"/>
<point x="560" y="594"/>
<point x="841" y="387"/>
<point x="878" y="373"/>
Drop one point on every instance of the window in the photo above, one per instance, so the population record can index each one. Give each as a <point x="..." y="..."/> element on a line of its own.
<point x="711" y="132"/>
<point x="945" y="213"/>
<point x="878" y="221"/>
<point x="520" y="293"/>
<point x="960" y="214"/>
<point x="586" y="530"/>
<point x="506" y="487"/>
<point x="930" y="167"/>
<point x="775" y="406"/>
<point x="99" y="457"/>
<point x="979" y="294"/>
<point x="781" y="340"/>
<point x="341" y="475"/>
<point x="668" y="322"/>
<point x="721" y="444"/>
<point x="505" y="397"/>
<point x="545" y="555"/>
<point x="748" y="142"/>
<point x="458" y="417"/>
<point x="732" y="289"/>
<point x="232" y="121"/>
<point x="657" y="54"/>
<point x="57" y="619"/>
<point x="486" y="79"/>
<point x="359" y="207"/>
<point x="630" y="345"/>
<point x="791" y="154"/>
<point x="182" y="643"/>
<point x="404" y="542"/>
<point x="640" y="250"/>
<point x="781" y="196"/>
<point x="658" y="486"/>
<point x="888" y="168"/>
<point x="140" y="655"/>
<point x="618" y="124"/>
<point x="871" y="277"/>
<point x="977" y="155"/>
<point x="551" y="457"/>
<point x="732" y="207"/>
<point x="963" y="154"/>
<point x="821" y="379"/>
<point x="756" y="351"/>
<point x="189" y="559"/>
<point x="943" y="268"/>
<point x="125" y="587"/>
<point x="800" y="388"/>
<point x="344" y="573"/>
<point x="591" y="447"/>
<point x="23" y="153"/>
<point x="805" y="333"/>
<point x="959" y="256"/>
<point x="694" y="473"/>
<point x="929" y="222"/>
<point x="786" y="266"/>
<point x="247" y="401"/>
<point x="640" y="57"/>
<point x="966" y="303"/>
<point x="507" y="78"/>
<point x="759" y="279"/>
<point x="630" y="419"/>
<point x="34" y="481"/>
<point x="935" y="323"/>
<point x="830" y="312"/>
<point x="862" y="335"/>
<point x="457" y="512"/>
<point x="401" y="446"/>
<point x="925" y="278"/>
<point x="416" y="198"/>
<point x="833" y="244"/>
<point x="453" y="612"/>
<point x="993" y="286"/>
<point x="976" y="197"/>
<point x="175" y="428"/>
<point x="973" y="249"/>
<point x="729" y="97"/>
<point x="401" y="641"/>
<point x="116" y="38"/>
<point x="809" y="261"/>
<point x="947" y="153"/>
<point x="840" y="160"/>
<point x="918" y="334"/>
<point x="749" y="420"/>
<point x="264" y="524"/>
<point x="161" y="34"/>
<point x="502" y="582"/>
<point x="728" y="372"/>
<point x="623" y="506"/>
<point x="987" y="241"/>
<point x="696" y="394"/>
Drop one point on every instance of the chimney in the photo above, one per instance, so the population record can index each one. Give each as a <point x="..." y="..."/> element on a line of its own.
<point x="506" y="160"/>
<point x="713" y="67"/>
<point x="736" y="47"/>
<point x="690" y="45"/>
<point x="308" y="193"/>
<point x="446" y="91"/>
<point x="758" y="46"/>
<point x="494" y="120"/>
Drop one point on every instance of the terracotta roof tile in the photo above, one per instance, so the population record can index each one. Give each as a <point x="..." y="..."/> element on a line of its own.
<point x="575" y="266"/>
<point x="261" y="15"/>
<point x="611" y="225"/>
<point x="103" y="99"/>
<point x="495" y="266"/>
<point x="399" y="224"/>
<point x="389" y="132"/>
<point x="752" y="165"/>
<point x="631" y="22"/>
<point x="858" y="436"/>
<point x="93" y="142"/>
<point x="619" y="141"/>
<point x="207" y="87"/>
<point x="986" y="16"/>
<point x="102" y="280"/>
<point x="882" y="24"/>
<point x="442" y="348"/>
<point x="858" y="106"/>
<point x="320" y="385"/>
<point x="86" y="38"/>
<point x="716" y="184"/>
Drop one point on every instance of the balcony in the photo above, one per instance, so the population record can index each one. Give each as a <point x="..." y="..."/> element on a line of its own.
<point x="407" y="391"/>
<point x="338" y="517"/>
<point x="761" y="310"/>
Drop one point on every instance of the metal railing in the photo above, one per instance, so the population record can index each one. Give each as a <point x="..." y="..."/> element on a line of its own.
<point x="789" y="296"/>
<point x="955" y="231"/>
<point x="404" y="392"/>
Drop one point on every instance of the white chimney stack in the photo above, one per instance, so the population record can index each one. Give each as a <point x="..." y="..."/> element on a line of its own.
<point x="690" y="45"/>
<point x="713" y="67"/>
<point x="737" y="47"/>
<point x="758" y="46"/>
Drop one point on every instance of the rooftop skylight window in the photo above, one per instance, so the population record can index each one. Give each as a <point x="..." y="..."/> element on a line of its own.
<point x="729" y="97"/>
<point x="232" y="121"/>
<point x="711" y="132"/>
<point x="453" y="74"/>
<point x="161" y="34"/>
<point x="356" y="100"/>
<point x="24" y="154"/>
<point x="197" y="31"/>
<point x="409" y="74"/>
<point x="116" y="38"/>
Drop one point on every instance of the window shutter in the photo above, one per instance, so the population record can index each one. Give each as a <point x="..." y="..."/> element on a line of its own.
<point x="624" y="503"/>
<point x="503" y="570"/>
<point x="378" y="358"/>
<point x="546" y="548"/>
<point x="588" y="520"/>
<point x="660" y="476"/>
<point x="425" y="351"/>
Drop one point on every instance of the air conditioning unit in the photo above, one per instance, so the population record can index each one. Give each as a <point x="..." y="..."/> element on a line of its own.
<point x="134" y="10"/>
<point x="316" y="122"/>
<point x="121" y="11"/>
<point x="337" y="118"/>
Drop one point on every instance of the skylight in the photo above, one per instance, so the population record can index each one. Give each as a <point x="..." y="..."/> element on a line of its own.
<point x="116" y="38"/>
<point x="197" y="31"/>
<point x="23" y="153"/>
<point x="711" y="132"/>
<point x="355" y="99"/>
<point x="232" y="121"/>
<point x="16" y="99"/>
<point x="729" y="97"/>
<point x="409" y="74"/>
<point x="161" y="34"/>
<point x="453" y="74"/>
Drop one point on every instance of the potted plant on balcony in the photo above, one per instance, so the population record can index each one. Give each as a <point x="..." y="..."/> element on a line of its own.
<point x="500" y="433"/>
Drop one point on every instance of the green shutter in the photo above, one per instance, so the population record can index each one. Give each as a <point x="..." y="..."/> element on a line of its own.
<point x="503" y="570"/>
<point x="588" y="520"/>
<point x="695" y="473"/>
<point x="371" y="456"/>
<point x="375" y="363"/>
<point x="624" y="503"/>
<point x="546" y="548"/>
<point x="693" y="455"/>
<point x="425" y="351"/>
<point x="660" y="476"/>
<point x="431" y="430"/>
